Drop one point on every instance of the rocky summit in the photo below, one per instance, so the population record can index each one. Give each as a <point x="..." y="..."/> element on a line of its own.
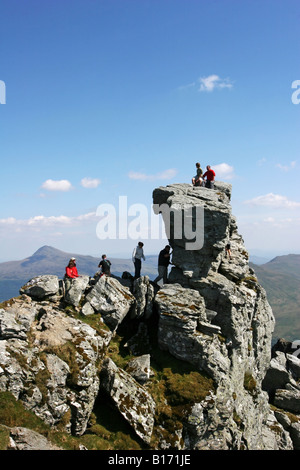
<point x="187" y="365"/>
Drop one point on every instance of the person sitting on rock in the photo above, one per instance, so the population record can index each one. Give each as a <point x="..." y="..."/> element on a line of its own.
<point x="197" y="180"/>
<point x="210" y="177"/>
<point x="105" y="265"/>
<point x="71" y="269"/>
<point x="71" y="273"/>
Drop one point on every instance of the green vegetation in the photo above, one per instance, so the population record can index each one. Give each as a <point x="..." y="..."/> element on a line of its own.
<point x="174" y="385"/>
<point x="280" y="278"/>
<point x="250" y="383"/>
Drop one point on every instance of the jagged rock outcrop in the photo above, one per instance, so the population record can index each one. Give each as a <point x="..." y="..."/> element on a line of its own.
<point x="212" y="315"/>
<point x="51" y="361"/>
<point x="184" y="331"/>
<point x="237" y="354"/>
<point x="282" y="384"/>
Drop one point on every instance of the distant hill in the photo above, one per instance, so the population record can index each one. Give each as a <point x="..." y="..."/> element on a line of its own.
<point x="281" y="279"/>
<point x="49" y="260"/>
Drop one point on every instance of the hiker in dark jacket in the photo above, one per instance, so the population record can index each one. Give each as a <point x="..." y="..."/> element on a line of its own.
<point x="163" y="263"/>
<point x="105" y="265"/>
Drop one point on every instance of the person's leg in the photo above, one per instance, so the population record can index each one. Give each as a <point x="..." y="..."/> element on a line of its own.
<point x="160" y="274"/>
<point x="137" y="265"/>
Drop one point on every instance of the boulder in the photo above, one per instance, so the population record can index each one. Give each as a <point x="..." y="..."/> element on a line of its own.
<point x="75" y="290"/>
<point x="288" y="400"/>
<point x="41" y="287"/>
<point x="277" y="375"/>
<point x="143" y="292"/>
<point x="293" y="364"/>
<point x="21" y="438"/>
<point x="139" y="368"/>
<point x="133" y="401"/>
<point x="111" y="299"/>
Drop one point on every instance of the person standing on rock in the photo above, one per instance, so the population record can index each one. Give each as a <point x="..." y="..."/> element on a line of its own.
<point x="210" y="177"/>
<point x="105" y="265"/>
<point x="228" y="250"/>
<point x="163" y="263"/>
<point x="137" y="256"/>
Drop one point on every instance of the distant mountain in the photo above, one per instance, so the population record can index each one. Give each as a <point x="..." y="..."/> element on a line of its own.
<point x="281" y="279"/>
<point x="258" y="259"/>
<point x="49" y="260"/>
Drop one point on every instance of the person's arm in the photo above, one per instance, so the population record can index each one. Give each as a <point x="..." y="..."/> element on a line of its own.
<point x="75" y="272"/>
<point x="133" y="254"/>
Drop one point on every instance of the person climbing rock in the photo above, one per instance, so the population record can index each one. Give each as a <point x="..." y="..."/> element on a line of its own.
<point x="163" y="263"/>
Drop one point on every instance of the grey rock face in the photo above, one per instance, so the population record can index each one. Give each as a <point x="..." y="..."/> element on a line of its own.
<point x="212" y="314"/>
<point x="112" y="300"/>
<point x="288" y="400"/>
<point x="228" y="331"/>
<point x="75" y="290"/>
<point x="54" y="370"/>
<point x="133" y="401"/>
<point x="41" y="286"/>
<point x="282" y="384"/>
<point x="143" y="292"/>
<point x="139" y="368"/>
<point x="182" y="315"/>
<point x="26" y="439"/>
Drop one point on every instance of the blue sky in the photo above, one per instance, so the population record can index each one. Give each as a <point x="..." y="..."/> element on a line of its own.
<point x="114" y="98"/>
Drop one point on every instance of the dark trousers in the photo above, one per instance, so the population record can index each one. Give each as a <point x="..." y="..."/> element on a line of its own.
<point x="209" y="184"/>
<point x="137" y="266"/>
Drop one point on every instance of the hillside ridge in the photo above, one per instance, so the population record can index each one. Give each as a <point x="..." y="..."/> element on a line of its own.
<point x="188" y="365"/>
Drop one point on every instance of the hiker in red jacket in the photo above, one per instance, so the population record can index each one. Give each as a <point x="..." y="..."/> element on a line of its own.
<point x="210" y="177"/>
<point x="71" y="273"/>
<point x="71" y="270"/>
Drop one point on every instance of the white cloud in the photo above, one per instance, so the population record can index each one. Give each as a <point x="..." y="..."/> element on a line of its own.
<point x="58" y="185"/>
<point x="213" y="82"/>
<point x="286" y="167"/>
<point x="224" y="171"/>
<point x="271" y="235"/>
<point x="273" y="200"/>
<point x="43" y="221"/>
<point x="90" y="182"/>
<point x="262" y="161"/>
<point x="164" y="175"/>
<point x="208" y="84"/>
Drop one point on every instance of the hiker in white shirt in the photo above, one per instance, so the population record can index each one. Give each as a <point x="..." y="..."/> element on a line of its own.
<point x="137" y="256"/>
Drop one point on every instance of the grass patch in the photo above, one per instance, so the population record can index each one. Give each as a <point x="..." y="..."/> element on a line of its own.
<point x="250" y="383"/>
